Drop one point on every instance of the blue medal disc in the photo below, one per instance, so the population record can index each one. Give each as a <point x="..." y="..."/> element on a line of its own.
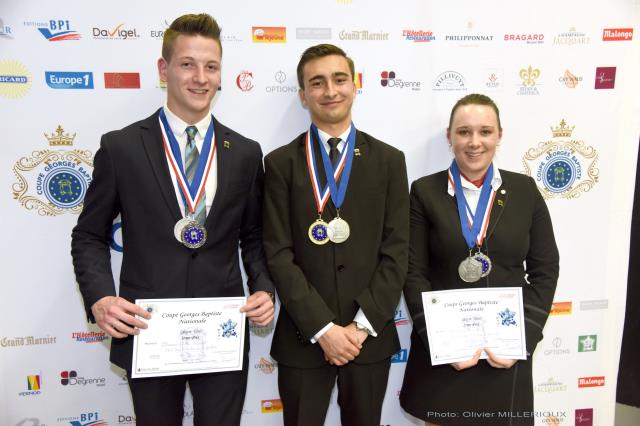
<point x="318" y="232"/>
<point x="194" y="235"/>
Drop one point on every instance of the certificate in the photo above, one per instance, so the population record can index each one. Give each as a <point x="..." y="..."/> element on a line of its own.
<point x="189" y="336"/>
<point x="461" y="321"/>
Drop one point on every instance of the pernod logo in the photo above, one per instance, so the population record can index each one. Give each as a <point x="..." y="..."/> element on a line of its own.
<point x="58" y="30"/>
<point x="33" y="386"/>
<point x="53" y="181"/>
<point x="529" y="78"/>
<point x="15" y="79"/>
<point x="69" y="80"/>
<point x="588" y="343"/>
<point x="562" y="166"/>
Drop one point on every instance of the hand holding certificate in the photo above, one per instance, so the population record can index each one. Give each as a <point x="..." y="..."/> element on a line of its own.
<point x="189" y="336"/>
<point x="461" y="321"/>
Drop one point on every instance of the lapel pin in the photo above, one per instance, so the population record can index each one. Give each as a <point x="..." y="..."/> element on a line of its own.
<point x="227" y="144"/>
<point x="357" y="152"/>
<point x="501" y="203"/>
<point x="502" y="191"/>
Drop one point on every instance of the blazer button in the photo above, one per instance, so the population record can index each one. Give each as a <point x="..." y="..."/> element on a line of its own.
<point x="194" y="254"/>
<point x="340" y="268"/>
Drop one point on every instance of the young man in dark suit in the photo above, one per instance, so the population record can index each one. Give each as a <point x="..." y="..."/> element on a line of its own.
<point x="136" y="176"/>
<point x="336" y="235"/>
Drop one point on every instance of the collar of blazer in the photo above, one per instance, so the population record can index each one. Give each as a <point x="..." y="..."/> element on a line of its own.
<point x="154" y="147"/>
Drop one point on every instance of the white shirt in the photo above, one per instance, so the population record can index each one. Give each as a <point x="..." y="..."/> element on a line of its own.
<point x="360" y="317"/>
<point x="472" y="192"/>
<point x="178" y="126"/>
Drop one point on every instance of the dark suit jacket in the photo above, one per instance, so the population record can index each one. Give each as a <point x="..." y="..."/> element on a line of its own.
<point x="131" y="177"/>
<point x="519" y="231"/>
<point x="320" y="284"/>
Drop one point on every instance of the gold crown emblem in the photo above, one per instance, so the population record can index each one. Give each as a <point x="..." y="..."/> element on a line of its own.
<point x="59" y="138"/>
<point x="562" y="131"/>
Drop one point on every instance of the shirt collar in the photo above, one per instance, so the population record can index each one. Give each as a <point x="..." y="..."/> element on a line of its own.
<point x="324" y="137"/>
<point x="496" y="182"/>
<point x="179" y="126"/>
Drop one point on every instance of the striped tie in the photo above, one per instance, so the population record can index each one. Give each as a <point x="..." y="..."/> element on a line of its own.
<point x="192" y="157"/>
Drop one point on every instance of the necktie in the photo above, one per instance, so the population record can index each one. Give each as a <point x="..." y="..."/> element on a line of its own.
<point x="192" y="157"/>
<point x="333" y="149"/>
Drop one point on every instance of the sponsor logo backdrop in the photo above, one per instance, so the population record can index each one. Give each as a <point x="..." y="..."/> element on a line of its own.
<point x="565" y="77"/>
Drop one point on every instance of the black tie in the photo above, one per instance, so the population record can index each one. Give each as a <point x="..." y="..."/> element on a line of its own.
<point x="333" y="151"/>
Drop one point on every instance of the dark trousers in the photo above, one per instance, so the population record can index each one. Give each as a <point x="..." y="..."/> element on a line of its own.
<point x="306" y="393"/>
<point x="218" y="398"/>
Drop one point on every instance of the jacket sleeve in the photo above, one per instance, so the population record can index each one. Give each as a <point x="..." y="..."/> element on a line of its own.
<point x="380" y="299"/>
<point x="91" y="237"/>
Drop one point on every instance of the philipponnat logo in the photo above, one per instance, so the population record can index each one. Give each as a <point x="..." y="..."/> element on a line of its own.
<point x="53" y="181"/>
<point x="562" y="167"/>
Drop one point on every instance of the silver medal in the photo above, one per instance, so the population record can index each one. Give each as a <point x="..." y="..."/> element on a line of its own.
<point x="177" y="229"/>
<point x="338" y="230"/>
<point x="484" y="261"/>
<point x="470" y="270"/>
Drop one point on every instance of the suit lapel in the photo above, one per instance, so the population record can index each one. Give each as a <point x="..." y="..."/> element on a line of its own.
<point x="224" y="166"/>
<point x="154" y="147"/>
<point x="499" y="204"/>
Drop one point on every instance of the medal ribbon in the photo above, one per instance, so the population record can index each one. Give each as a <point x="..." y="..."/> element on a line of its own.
<point x="332" y="174"/>
<point x="475" y="229"/>
<point x="191" y="193"/>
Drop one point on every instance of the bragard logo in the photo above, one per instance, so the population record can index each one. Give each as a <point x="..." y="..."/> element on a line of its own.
<point x="590" y="382"/>
<point x="53" y="181"/>
<point x="563" y="167"/>
<point x="525" y="38"/>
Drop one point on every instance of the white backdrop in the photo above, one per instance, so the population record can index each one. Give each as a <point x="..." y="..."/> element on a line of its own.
<point x="541" y="62"/>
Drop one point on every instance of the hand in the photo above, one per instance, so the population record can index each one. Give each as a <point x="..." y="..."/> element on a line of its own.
<point x="340" y="345"/>
<point x="496" y="362"/>
<point x="463" y="365"/>
<point x="259" y="308"/>
<point x="116" y="316"/>
<point x="361" y="335"/>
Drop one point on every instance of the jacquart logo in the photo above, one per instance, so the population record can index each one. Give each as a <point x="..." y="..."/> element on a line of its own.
<point x="71" y="378"/>
<point x="571" y="37"/>
<point x="121" y="80"/>
<point x="33" y="386"/>
<point x="313" y="33"/>
<point x="389" y="79"/>
<point x="400" y="318"/>
<point x="529" y="86"/>
<point x="527" y="38"/>
<point x="450" y="81"/>
<point x="560" y="308"/>
<point x="358" y="81"/>
<point x="363" y="35"/>
<point x="9" y="342"/>
<point x="281" y="87"/>
<point x="53" y="181"/>
<point x="69" y="79"/>
<point x="557" y="348"/>
<point x="605" y="77"/>
<point x="551" y="385"/>
<point x="584" y="417"/>
<point x="89" y="336"/>
<point x="244" y="81"/>
<point x="266" y="366"/>
<point x="562" y="166"/>
<point x="119" y="32"/>
<point x="617" y="34"/>
<point x="400" y="357"/>
<point x="591" y="382"/>
<point x="58" y="30"/>
<point x="418" y="36"/>
<point x="271" y="406"/>
<point x="588" y="343"/>
<point x="5" y="31"/>
<point x="569" y="79"/>
<point x="15" y="79"/>
<point x="494" y="79"/>
<point x="269" y="34"/>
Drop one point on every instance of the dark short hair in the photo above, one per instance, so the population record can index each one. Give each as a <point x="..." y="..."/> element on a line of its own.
<point x="202" y="24"/>
<point x="320" y="51"/>
<point x="475" y="99"/>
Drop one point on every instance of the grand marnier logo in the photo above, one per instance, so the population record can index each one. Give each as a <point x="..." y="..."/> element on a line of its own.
<point x="563" y="167"/>
<point x="53" y="181"/>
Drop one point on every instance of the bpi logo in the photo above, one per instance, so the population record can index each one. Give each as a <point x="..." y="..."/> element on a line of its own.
<point x="69" y="80"/>
<point x="89" y="419"/>
<point x="400" y="319"/>
<point x="59" y="30"/>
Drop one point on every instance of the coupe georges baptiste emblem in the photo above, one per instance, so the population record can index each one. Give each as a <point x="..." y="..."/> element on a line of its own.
<point x="53" y="181"/>
<point x="562" y="167"/>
